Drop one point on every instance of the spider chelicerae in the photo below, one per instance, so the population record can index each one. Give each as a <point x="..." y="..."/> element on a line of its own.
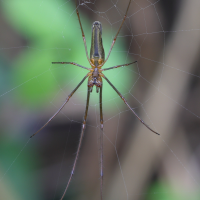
<point x="96" y="60"/>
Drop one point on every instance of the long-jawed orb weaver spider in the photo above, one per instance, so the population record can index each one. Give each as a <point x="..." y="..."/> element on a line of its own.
<point x="96" y="60"/>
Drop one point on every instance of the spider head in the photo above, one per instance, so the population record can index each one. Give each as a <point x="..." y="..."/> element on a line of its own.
<point x="95" y="79"/>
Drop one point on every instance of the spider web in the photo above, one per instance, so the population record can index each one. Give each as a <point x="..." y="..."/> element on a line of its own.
<point x="162" y="87"/>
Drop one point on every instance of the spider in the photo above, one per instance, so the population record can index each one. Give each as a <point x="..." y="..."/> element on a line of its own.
<point x="95" y="75"/>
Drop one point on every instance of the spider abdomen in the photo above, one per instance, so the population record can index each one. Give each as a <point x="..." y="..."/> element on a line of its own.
<point x="97" y="54"/>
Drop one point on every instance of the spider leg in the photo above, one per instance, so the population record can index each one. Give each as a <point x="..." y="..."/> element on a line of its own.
<point x="115" y="38"/>
<point x="72" y="63"/>
<point x="83" y="35"/>
<point x="70" y="95"/>
<point x="128" y="104"/>
<point x="117" y="66"/>
<point x="80" y="141"/>
<point x="101" y="141"/>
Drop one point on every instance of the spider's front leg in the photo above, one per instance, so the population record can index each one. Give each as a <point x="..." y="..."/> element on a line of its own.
<point x="95" y="79"/>
<point x="101" y="141"/>
<point x="80" y="142"/>
<point x="124" y="100"/>
<point x="70" y="95"/>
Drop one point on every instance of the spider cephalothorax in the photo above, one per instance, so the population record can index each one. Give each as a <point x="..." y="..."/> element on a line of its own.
<point x="95" y="79"/>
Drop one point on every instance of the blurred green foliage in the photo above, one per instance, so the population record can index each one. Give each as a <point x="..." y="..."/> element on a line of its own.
<point x="163" y="190"/>
<point x="18" y="181"/>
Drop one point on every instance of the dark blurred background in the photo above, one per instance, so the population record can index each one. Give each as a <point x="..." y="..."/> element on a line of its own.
<point x="163" y="88"/>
